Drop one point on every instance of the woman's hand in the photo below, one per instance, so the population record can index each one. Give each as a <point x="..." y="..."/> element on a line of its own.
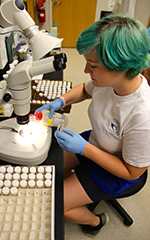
<point x="72" y="142"/>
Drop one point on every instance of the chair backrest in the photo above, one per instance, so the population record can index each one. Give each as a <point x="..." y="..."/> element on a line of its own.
<point x="136" y="187"/>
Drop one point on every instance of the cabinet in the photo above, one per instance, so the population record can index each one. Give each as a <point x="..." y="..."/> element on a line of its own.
<point x="30" y="7"/>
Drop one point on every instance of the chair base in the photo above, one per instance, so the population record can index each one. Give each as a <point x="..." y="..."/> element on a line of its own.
<point x="116" y="205"/>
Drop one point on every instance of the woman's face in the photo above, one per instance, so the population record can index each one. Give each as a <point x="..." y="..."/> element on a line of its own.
<point x="100" y="76"/>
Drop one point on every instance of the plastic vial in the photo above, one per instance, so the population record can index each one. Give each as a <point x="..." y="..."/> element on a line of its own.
<point x="39" y="183"/>
<point x="16" y="176"/>
<point x="55" y="121"/>
<point x="24" y="176"/>
<point x="8" y="176"/>
<point x="48" y="169"/>
<point x="31" y="183"/>
<point x="41" y="169"/>
<point x="31" y="176"/>
<point x="48" y="183"/>
<point x="48" y="175"/>
<point x="2" y="169"/>
<point x="39" y="176"/>
<point x="32" y="170"/>
<point x="24" y="170"/>
<point x="1" y="176"/>
<point x="5" y="190"/>
<point x="7" y="183"/>
<point x="10" y="169"/>
<point x="23" y="183"/>
<point x="15" y="183"/>
<point x="1" y="183"/>
<point x="18" y="169"/>
<point x="13" y="191"/>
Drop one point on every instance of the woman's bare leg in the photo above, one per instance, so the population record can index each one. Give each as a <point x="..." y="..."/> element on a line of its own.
<point x="75" y="199"/>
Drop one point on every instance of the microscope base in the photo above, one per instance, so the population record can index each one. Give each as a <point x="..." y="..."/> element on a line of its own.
<point x="28" y="145"/>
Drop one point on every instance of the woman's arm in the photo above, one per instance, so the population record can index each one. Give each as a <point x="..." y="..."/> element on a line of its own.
<point x="76" y="94"/>
<point x="111" y="163"/>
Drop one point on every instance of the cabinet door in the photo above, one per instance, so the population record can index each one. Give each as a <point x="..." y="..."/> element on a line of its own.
<point x="30" y="7"/>
<point x="73" y="16"/>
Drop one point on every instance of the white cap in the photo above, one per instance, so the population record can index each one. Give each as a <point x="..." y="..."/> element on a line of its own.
<point x="2" y="169"/>
<point x="16" y="176"/>
<point x="31" y="183"/>
<point x="8" y="176"/>
<point x="39" y="183"/>
<point x="48" y="183"/>
<point x="33" y="170"/>
<point x="23" y="183"/>
<point x="1" y="183"/>
<point x="5" y="190"/>
<point x="15" y="183"/>
<point x="1" y="176"/>
<point x="7" y="183"/>
<point x="25" y="170"/>
<point x="10" y="169"/>
<point x="24" y="176"/>
<point x="48" y="176"/>
<point x="14" y="191"/>
<point x="32" y="176"/>
<point x="48" y="169"/>
<point x="18" y="169"/>
<point x="39" y="176"/>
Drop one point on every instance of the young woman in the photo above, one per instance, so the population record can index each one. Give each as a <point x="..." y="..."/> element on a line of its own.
<point x="111" y="157"/>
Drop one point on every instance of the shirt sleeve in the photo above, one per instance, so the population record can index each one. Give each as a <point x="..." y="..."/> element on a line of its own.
<point x="89" y="87"/>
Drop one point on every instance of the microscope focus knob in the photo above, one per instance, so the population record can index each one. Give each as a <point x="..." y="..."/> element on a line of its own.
<point x="7" y="97"/>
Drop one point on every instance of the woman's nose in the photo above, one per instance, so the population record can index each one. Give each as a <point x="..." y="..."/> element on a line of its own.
<point x="86" y="69"/>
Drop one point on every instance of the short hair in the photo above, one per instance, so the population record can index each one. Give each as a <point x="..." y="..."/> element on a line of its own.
<point x="121" y="44"/>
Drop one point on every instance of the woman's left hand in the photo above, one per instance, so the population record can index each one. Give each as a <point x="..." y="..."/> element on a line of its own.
<point x="72" y="142"/>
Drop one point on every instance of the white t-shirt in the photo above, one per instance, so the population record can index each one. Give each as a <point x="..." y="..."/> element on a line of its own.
<point x="121" y="124"/>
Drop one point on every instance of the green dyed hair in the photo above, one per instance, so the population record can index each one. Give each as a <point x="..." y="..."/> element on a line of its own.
<point x="121" y="44"/>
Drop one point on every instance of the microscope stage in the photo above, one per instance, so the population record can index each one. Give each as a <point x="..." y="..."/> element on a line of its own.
<point x="27" y="145"/>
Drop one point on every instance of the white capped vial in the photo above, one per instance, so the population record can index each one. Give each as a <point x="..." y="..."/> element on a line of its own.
<point x="8" y="176"/>
<point x="1" y="183"/>
<point x="40" y="169"/>
<point x="10" y="169"/>
<point x="2" y="169"/>
<point x="48" y="169"/>
<point x="23" y="183"/>
<point x="16" y="176"/>
<point x="17" y="169"/>
<point x="39" y="183"/>
<point x="31" y="183"/>
<point x="48" y="176"/>
<point x="39" y="176"/>
<point x="32" y="169"/>
<point x="31" y="176"/>
<point x="13" y="191"/>
<point x="48" y="183"/>
<point x="24" y="176"/>
<point x="5" y="190"/>
<point x="24" y="170"/>
<point x="15" y="183"/>
<point x="7" y="183"/>
<point x="1" y="176"/>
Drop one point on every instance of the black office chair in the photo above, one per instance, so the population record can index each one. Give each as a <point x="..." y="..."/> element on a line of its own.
<point x="129" y="192"/>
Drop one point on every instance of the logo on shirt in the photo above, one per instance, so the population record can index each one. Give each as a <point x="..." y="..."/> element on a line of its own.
<point x="113" y="126"/>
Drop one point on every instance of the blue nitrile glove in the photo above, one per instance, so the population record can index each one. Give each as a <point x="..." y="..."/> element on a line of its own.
<point x="52" y="106"/>
<point x="73" y="143"/>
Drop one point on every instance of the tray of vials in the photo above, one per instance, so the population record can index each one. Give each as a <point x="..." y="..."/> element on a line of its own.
<point x="27" y="202"/>
<point x="45" y="91"/>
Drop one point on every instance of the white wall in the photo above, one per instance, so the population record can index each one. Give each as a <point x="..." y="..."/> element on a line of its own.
<point x="142" y="10"/>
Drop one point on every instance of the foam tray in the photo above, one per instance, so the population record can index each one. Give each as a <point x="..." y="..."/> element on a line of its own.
<point x="27" y="212"/>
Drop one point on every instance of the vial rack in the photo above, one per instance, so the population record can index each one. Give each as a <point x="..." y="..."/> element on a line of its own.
<point x="27" y="202"/>
<point x="45" y="91"/>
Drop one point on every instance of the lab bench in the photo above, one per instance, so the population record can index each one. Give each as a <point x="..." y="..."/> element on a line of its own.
<point x="55" y="157"/>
